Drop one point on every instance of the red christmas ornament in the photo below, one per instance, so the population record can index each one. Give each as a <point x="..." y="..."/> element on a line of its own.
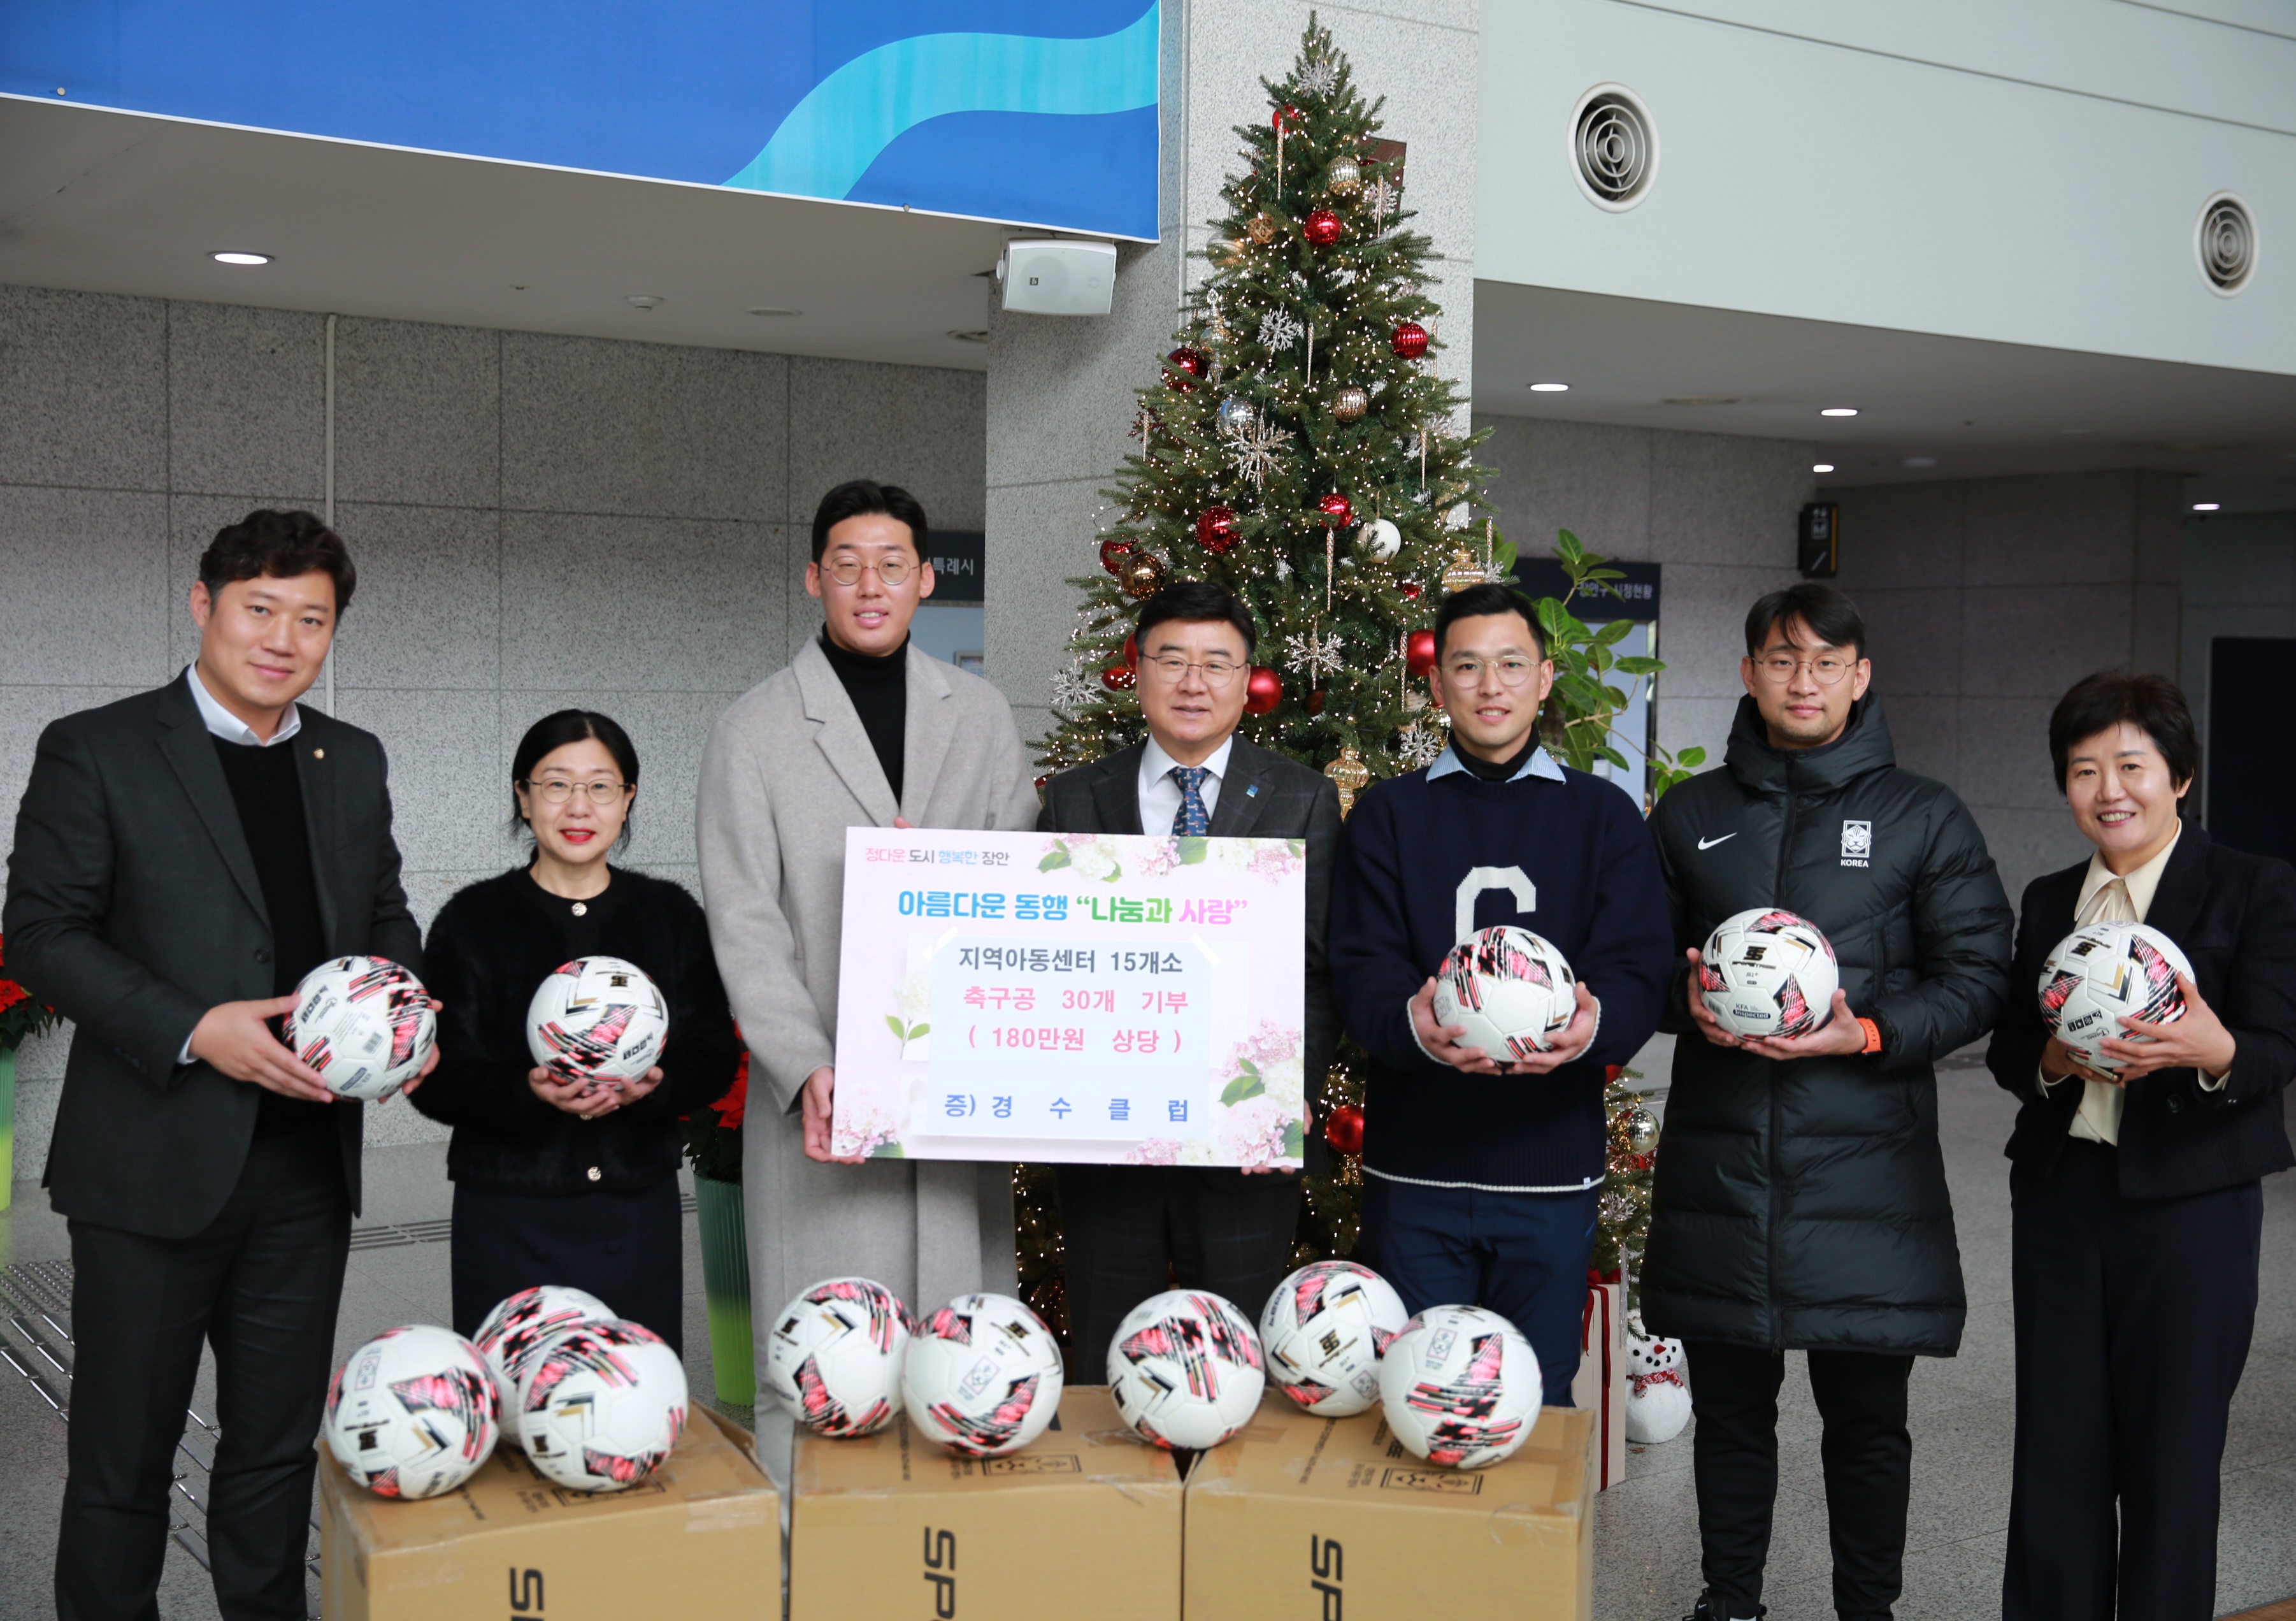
<point x="1120" y="678"/>
<point x="1315" y="702"/>
<point x="1285" y="117"/>
<point x="1411" y="339"/>
<point x="1321" y="228"/>
<point x="1419" y="653"/>
<point x="1132" y="651"/>
<point x="1215" y="530"/>
<point x="1041" y="781"/>
<point x="1344" y="1128"/>
<point x="1112" y="553"/>
<point x="1336" y="508"/>
<point x="1185" y="359"/>
<point x="1263" y="691"/>
<point x="1410" y="590"/>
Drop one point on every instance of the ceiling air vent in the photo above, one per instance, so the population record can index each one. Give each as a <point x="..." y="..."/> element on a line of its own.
<point x="1613" y="152"/>
<point x="2225" y="242"/>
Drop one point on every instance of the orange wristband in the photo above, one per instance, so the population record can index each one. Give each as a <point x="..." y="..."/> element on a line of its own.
<point x="1872" y="1036"/>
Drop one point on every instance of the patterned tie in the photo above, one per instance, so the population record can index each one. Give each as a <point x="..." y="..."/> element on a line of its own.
<point x="1193" y="821"/>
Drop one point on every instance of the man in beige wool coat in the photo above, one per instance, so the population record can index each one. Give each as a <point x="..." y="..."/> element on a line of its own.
<point x="861" y="730"/>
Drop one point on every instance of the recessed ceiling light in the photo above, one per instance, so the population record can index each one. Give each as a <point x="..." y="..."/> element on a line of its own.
<point x="2208" y="506"/>
<point x="1550" y="388"/>
<point x="976" y="334"/>
<point x="1823" y="467"/>
<point x="773" y="309"/>
<point x="644" y="300"/>
<point x="1839" y="411"/>
<point x="233" y="257"/>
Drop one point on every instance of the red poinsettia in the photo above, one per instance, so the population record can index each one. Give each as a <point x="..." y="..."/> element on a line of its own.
<point x="20" y="1017"/>
<point x="713" y="1133"/>
<point x="735" y="1103"/>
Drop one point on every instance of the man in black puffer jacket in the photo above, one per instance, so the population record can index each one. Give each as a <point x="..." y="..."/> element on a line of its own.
<point x="1800" y="1199"/>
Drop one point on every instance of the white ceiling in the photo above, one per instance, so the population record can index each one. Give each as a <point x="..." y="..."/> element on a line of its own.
<point x="118" y="202"/>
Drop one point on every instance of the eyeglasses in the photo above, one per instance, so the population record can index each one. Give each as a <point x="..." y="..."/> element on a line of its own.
<point x="889" y="571"/>
<point x="1173" y="668"/>
<point x="1515" y="671"/>
<point x="557" y="791"/>
<point x="1826" y="668"/>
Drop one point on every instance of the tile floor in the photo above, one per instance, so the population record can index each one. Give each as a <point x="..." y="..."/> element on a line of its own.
<point x="1646" y="1548"/>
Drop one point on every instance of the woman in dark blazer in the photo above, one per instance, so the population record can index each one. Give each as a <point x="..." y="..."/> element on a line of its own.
<point x="2137" y="1210"/>
<point x="569" y="1181"/>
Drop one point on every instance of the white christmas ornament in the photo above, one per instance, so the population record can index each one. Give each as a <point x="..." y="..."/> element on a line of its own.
<point x="413" y="1413"/>
<point x="1379" y="538"/>
<point x="1658" y="1396"/>
<point x="1512" y="990"/>
<point x="982" y="1376"/>
<point x="597" y="1018"/>
<point x="2100" y="975"/>
<point x="365" y="1023"/>
<point x="1185" y="1369"/>
<point x="1768" y="974"/>
<point x="1323" y="1330"/>
<point x="1460" y="1386"/>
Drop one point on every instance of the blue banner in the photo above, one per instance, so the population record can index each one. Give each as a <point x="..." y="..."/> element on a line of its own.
<point x="1034" y="111"/>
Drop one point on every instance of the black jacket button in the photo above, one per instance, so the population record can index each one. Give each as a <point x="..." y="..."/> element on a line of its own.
<point x="263" y="953"/>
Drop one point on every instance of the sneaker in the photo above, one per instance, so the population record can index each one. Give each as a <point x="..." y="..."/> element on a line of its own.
<point x="1707" y="1610"/>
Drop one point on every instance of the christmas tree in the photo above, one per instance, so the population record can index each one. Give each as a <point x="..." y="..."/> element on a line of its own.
<point x="1302" y="447"/>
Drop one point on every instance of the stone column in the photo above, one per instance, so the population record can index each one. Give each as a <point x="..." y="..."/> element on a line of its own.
<point x="1061" y="389"/>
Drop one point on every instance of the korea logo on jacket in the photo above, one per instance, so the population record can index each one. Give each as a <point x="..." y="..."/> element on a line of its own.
<point x="1856" y="843"/>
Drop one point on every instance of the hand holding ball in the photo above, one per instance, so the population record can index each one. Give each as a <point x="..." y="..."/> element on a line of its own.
<point x="365" y="1023"/>
<point x="1511" y="991"/>
<point x="1766" y="975"/>
<point x="597" y="1018"/>
<point x="2098" y="975"/>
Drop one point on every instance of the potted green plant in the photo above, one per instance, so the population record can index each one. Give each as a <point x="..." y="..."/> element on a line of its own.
<point x="713" y="1147"/>
<point x="20" y="1019"/>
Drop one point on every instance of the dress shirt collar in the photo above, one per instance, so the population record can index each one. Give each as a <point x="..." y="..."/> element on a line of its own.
<point x="1540" y="764"/>
<point x="222" y="723"/>
<point x="1155" y="764"/>
<point x="2140" y="884"/>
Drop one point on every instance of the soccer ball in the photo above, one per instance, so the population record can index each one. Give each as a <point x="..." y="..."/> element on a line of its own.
<point x="602" y="1404"/>
<point x="1323" y="1330"/>
<point x="365" y="1023"/>
<point x="597" y="1018"/>
<point x="983" y="1376"/>
<point x="1460" y="1386"/>
<point x="516" y="1328"/>
<point x="1511" y="989"/>
<point x="1185" y="1369"/>
<point x="412" y="1413"/>
<point x="834" y="1356"/>
<point x="2100" y="975"/>
<point x="1768" y="974"/>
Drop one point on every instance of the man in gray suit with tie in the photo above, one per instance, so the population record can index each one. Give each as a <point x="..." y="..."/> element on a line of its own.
<point x="1128" y="1229"/>
<point x="182" y="858"/>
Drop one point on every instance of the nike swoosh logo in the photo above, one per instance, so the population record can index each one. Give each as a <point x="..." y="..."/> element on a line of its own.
<point x="1709" y="843"/>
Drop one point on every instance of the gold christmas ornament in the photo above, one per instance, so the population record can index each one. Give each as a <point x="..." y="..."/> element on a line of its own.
<point x="1261" y="228"/>
<point x="1351" y="775"/>
<point x="1229" y="254"/>
<point x="1349" y="403"/>
<point x="1462" y="571"/>
<point x="1142" y="574"/>
<point x="1344" y="180"/>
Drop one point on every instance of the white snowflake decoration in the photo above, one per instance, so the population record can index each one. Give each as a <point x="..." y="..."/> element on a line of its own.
<point x="1280" y="329"/>
<point x="1257" y="451"/>
<point x="1419" y="746"/>
<point x="1315" y="655"/>
<point x="1283" y="568"/>
<point x="1073" y="689"/>
<point x="1320" y="78"/>
<point x="1383" y="195"/>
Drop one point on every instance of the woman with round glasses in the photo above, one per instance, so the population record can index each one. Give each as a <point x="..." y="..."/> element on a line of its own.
<point x="569" y="1182"/>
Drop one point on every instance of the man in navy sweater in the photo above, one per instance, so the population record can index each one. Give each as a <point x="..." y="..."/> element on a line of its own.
<point x="1481" y="1177"/>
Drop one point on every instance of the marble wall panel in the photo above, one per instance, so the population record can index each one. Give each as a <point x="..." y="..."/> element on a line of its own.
<point x="428" y="609"/>
<point x="86" y="580"/>
<point x="417" y="412"/>
<point x="923" y="430"/>
<point x="246" y="400"/>
<point x="83" y="390"/>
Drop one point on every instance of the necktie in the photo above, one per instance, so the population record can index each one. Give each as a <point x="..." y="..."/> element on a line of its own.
<point x="1193" y="821"/>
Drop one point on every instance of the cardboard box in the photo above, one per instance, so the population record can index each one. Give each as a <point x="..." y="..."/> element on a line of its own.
<point x="1325" y="1518"/>
<point x="1084" y="1522"/>
<point x="701" y="1537"/>
<point x="1600" y="1385"/>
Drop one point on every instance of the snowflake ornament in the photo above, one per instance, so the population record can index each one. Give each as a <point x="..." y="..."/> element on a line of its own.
<point x="1419" y="746"/>
<point x="1073" y="689"/>
<point x="1320" y="78"/>
<point x="1315" y="655"/>
<point x="1385" y="197"/>
<point x="1258" y="452"/>
<point x="1280" y="329"/>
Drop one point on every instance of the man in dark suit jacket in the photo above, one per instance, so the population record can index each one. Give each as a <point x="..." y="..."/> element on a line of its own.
<point x="182" y="858"/>
<point x="1130" y="1230"/>
<point x="2136" y="1193"/>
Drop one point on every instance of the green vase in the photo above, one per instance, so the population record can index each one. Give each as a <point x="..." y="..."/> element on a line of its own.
<point x="726" y="1284"/>
<point x="7" y="1125"/>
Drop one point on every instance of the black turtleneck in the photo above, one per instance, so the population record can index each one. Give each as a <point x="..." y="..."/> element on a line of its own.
<point x="1497" y="770"/>
<point x="879" y="688"/>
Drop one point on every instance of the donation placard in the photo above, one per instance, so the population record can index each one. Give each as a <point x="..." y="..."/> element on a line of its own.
<point x="1115" y="998"/>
